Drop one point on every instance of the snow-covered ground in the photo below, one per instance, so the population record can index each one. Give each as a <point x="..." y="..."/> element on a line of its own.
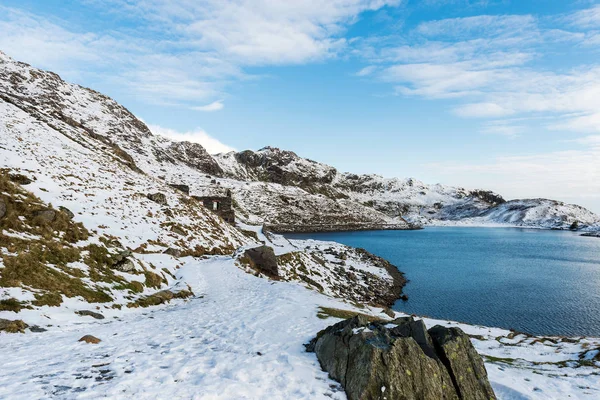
<point x="241" y="337"/>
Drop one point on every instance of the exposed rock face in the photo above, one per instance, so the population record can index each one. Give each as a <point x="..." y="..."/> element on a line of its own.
<point x="159" y="198"/>
<point x="195" y="156"/>
<point x="401" y="360"/>
<point x="263" y="259"/>
<point x="2" y="208"/>
<point x="462" y="361"/>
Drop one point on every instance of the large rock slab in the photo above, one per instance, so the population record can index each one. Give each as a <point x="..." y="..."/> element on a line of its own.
<point x="263" y="259"/>
<point x="401" y="360"/>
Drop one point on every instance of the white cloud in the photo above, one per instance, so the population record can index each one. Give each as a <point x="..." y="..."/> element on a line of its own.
<point x="483" y="64"/>
<point x="211" y="144"/>
<point x="572" y="176"/>
<point x="482" y="110"/>
<point x="185" y="52"/>
<point x="366" y="71"/>
<point x="588" y="18"/>
<point x="214" y="106"/>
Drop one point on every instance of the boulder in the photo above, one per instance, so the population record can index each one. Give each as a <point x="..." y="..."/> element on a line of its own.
<point x="122" y="263"/>
<point x="401" y="360"/>
<point x="67" y="212"/>
<point x="48" y="215"/>
<point x="159" y="198"/>
<point x="173" y="252"/>
<point x="2" y="208"/>
<point x="263" y="259"/>
<point x="90" y="339"/>
<point x="10" y="326"/>
<point x="89" y="313"/>
<point x="465" y="365"/>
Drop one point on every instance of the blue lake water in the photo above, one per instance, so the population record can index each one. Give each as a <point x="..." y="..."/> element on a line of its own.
<point x="535" y="281"/>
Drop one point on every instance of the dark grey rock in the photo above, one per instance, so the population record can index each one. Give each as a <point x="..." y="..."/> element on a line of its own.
<point x="37" y="329"/>
<point x="400" y="360"/>
<point x="464" y="364"/>
<point x="263" y="260"/>
<point x="2" y="208"/>
<point x="159" y="198"/>
<point x="67" y="212"/>
<point x="89" y="313"/>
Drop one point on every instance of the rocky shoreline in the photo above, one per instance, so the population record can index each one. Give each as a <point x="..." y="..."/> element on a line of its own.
<point x="350" y="227"/>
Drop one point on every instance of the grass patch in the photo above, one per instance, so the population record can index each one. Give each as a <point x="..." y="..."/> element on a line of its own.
<point x="11" y="304"/>
<point x="52" y="299"/>
<point x="326" y="312"/>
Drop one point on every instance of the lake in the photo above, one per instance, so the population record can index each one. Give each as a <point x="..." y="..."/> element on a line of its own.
<point x="536" y="281"/>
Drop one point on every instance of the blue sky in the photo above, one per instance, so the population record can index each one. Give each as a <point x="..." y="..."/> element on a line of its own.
<point x="501" y="95"/>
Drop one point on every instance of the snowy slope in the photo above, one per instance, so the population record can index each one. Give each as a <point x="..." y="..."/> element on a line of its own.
<point x="241" y="337"/>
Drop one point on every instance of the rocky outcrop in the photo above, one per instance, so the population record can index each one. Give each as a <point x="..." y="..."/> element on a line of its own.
<point x="122" y="262"/>
<point x="159" y="198"/>
<point x="262" y="259"/>
<point x="2" y="208"/>
<point x="195" y="156"/>
<point x="401" y="360"/>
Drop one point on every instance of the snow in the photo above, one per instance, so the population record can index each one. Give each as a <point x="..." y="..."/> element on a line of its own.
<point x="208" y="348"/>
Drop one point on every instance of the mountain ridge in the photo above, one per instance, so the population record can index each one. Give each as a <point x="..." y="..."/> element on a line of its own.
<point x="271" y="186"/>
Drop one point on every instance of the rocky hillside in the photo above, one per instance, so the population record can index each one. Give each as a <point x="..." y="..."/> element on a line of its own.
<point x="89" y="215"/>
<point x="269" y="170"/>
<point x="270" y="186"/>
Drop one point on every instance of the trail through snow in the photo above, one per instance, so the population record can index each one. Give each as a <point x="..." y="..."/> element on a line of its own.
<point x="240" y="338"/>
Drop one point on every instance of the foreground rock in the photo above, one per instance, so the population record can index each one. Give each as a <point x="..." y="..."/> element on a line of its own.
<point x="262" y="259"/>
<point x="401" y="360"/>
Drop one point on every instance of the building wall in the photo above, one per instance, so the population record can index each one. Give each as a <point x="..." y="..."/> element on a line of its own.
<point x="224" y="210"/>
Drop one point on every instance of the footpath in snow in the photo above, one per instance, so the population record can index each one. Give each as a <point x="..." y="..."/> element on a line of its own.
<point x="241" y="337"/>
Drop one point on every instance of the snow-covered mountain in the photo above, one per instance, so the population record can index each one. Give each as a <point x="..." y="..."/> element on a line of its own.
<point x="92" y="233"/>
<point x="269" y="171"/>
<point x="270" y="186"/>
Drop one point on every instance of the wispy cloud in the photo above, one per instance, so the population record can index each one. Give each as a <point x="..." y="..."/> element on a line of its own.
<point x="210" y="143"/>
<point x="489" y="66"/>
<point x="214" y="106"/>
<point x="186" y="52"/>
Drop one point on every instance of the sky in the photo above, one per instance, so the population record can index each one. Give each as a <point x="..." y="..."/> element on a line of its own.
<point x="493" y="94"/>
